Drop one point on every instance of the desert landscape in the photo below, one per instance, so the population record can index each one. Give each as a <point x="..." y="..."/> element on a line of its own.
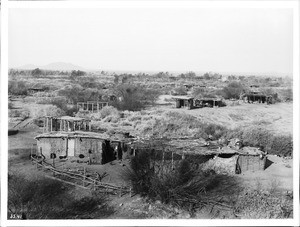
<point x="151" y="112"/>
<point x="160" y="145"/>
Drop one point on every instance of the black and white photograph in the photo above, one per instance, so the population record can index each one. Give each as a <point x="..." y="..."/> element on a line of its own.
<point x="149" y="111"/>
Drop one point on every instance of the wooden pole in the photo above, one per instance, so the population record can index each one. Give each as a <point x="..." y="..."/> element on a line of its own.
<point x="84" y="170"/>
<point x="44" y="128"/>
<point x="47" y="123"/>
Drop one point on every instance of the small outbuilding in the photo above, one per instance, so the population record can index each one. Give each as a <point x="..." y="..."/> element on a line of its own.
<point x="185" y="102"/>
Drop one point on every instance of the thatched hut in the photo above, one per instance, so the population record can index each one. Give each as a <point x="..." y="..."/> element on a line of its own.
<point x="226" y="160"/>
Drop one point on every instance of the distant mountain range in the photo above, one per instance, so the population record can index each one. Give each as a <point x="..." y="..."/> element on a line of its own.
<point x="61" y="66"/>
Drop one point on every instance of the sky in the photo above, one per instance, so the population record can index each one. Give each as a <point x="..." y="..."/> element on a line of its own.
<point x="154" y="39"/>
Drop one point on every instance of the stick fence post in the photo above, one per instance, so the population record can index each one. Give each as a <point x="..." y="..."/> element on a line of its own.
<point x="84" y="172"/>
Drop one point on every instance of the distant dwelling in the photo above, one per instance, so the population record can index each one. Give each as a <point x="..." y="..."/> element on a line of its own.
<point x="35" y="89"/>
<point x="258" y="97"/>
<point x="191" y="103"/>
<point x="91" y="106"/>
<point x="185" y="102"/>
<point x="188" y="86"/>
<point x="70" y="138"/>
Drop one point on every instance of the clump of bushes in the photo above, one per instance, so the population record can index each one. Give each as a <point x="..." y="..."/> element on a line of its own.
<point x="60" y="102"/>
<point x="179" y="91"/>
<point x="17" y="87"/>
<point x="76" y="93"/>
<point x="45" y="198"/>
<point x="175" y="124"/>
<point x="264" y="203"/>
<point x="233" y="90"/>
<point x="133" y="98"/>
<point x="51" y="111"/>
<point x="24" y="114"/>
<point x="107" y="114"/>
<point x="10" y="105"/>
<point x="286" y="94"/>
<point x="258" y="136"/>
<point x="185" y="186"/>
<point x="108" y="111"/>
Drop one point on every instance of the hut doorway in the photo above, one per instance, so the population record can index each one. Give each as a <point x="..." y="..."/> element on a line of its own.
<point x="71" y="147"/>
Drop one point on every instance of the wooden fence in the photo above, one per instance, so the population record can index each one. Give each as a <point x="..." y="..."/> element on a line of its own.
<point x="83" y="179"/>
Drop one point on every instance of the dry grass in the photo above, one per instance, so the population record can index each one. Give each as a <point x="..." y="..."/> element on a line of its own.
<point x="264" y="203"/>
<point x="44" y="198"/>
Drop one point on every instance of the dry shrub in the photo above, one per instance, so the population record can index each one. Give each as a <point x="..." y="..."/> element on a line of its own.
<point x="126" y="123"/>
<point x="258" y="203"/>
<point x="112" y="118"/>
<point x="24" y="114"/>
<point x="17" y="87"/>
<point x="43" y="94"/>
<point x="282" y="145"/>
<point x="257" y="136"/>
<point x="45" y="198"/>
<point x="186" y="186"/>
<point x="175" y="124"/>
<point x="107" y="111"/>
<point x="10" y="105"/>
<point x="52" y="111"/>
<point x="43" y="100"/>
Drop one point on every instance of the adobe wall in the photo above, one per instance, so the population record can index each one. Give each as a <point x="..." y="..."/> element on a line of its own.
<point x="250" y="163"/>
<point x="81" y="146"/>
<point x="50" y="145"/>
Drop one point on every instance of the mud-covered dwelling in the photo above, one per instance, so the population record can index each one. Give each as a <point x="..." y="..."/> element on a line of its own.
<point x="208" y="102"/>
<point x="257" y="97"/>
<point x="231" y="159"/>
<point x="184" y="102"/>
<point x="70" y="139"/>
<point x="34" y="90"/>
<point x="73" y="145"/>
<point x="191" y="103"/>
